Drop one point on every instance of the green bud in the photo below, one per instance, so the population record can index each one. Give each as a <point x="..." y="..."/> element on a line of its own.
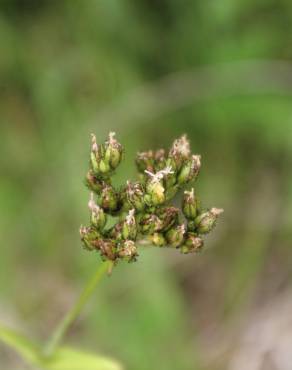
<point x="145" y="161"/>
<point x="206" y="221"/>
<point x="149" y="223"/>
<point x="134" y="194"/>
<point x="128" y="251"/>
<point x="113" y="152"/>
<point x="88" y="236"/>
<point x="168" y="217"/>
<point x="158" y="239"/>
<point x="129" y="229"/>
<point x="179" y="152"/>
<point x="108" y="198"/>
<point x="192" y="244"/>
<point x="190" y="204"/>
<point x="98" y="217"/>
<point x="175" y="236"/>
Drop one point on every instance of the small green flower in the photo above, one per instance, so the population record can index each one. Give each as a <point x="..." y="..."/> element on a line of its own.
<point x="189" y="170"/>
<point x="206" y="221"/>
<point x="175" y="236"/>
<point x="95" y="155"/>
<point x="155" y="191"/>
<point x="98" y="217"/>
<point x="168" y="217"/>
<point x="190" y="204"/>
<point x="149" y="223"/>
<point x="113" y="151"/>
<point x="129" y="229"/>
<point x="108" y="198"/>
<point x="88" y="237"/>
<point x="192" y="244"/>
<point x="105" y="158"/>
<point x="179" y="153"/>
<point x="158" y="239"/>
<point x="134" y="196"/>
<point x="127" y="251"/>
<point x="94" y="183"/>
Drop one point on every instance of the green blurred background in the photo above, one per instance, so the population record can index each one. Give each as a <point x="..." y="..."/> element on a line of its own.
<point x="220" y="71"/>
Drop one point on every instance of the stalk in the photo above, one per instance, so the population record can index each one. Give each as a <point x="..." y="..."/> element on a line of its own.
<point x="61" y="330"/>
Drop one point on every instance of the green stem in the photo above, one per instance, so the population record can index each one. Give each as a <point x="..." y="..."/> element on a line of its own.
<point x="75" y="310"/>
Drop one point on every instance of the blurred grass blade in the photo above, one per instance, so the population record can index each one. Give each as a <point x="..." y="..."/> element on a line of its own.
<point x="67" y="358"/>
<point x="20" y="344"/>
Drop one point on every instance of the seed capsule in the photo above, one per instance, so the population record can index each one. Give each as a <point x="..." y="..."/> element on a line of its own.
<point x="175" y="236"/>
<point x="190" y="204"/>
<point x="206" y="221"/>
<point x="192" y="244"/>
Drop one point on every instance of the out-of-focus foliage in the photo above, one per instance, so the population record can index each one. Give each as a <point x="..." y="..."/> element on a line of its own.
<point x="69" y="68"/>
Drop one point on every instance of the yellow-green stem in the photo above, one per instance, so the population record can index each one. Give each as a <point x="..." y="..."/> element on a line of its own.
<point x="75" y="310"/>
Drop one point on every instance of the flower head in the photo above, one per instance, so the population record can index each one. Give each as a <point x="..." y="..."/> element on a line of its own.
<point x="141" y="211"/>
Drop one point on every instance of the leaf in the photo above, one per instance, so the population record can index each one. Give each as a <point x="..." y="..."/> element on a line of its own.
<point x="67" y="358"/>
<point x="22" y="345"/>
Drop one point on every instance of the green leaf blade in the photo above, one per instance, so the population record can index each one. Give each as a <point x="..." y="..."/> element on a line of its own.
<point x="67" y="358"/>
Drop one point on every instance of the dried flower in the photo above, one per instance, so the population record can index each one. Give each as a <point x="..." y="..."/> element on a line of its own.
<point x="128" y="251"/>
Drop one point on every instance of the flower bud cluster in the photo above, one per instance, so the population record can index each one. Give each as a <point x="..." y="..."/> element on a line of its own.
<point x="141" y="210"/>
